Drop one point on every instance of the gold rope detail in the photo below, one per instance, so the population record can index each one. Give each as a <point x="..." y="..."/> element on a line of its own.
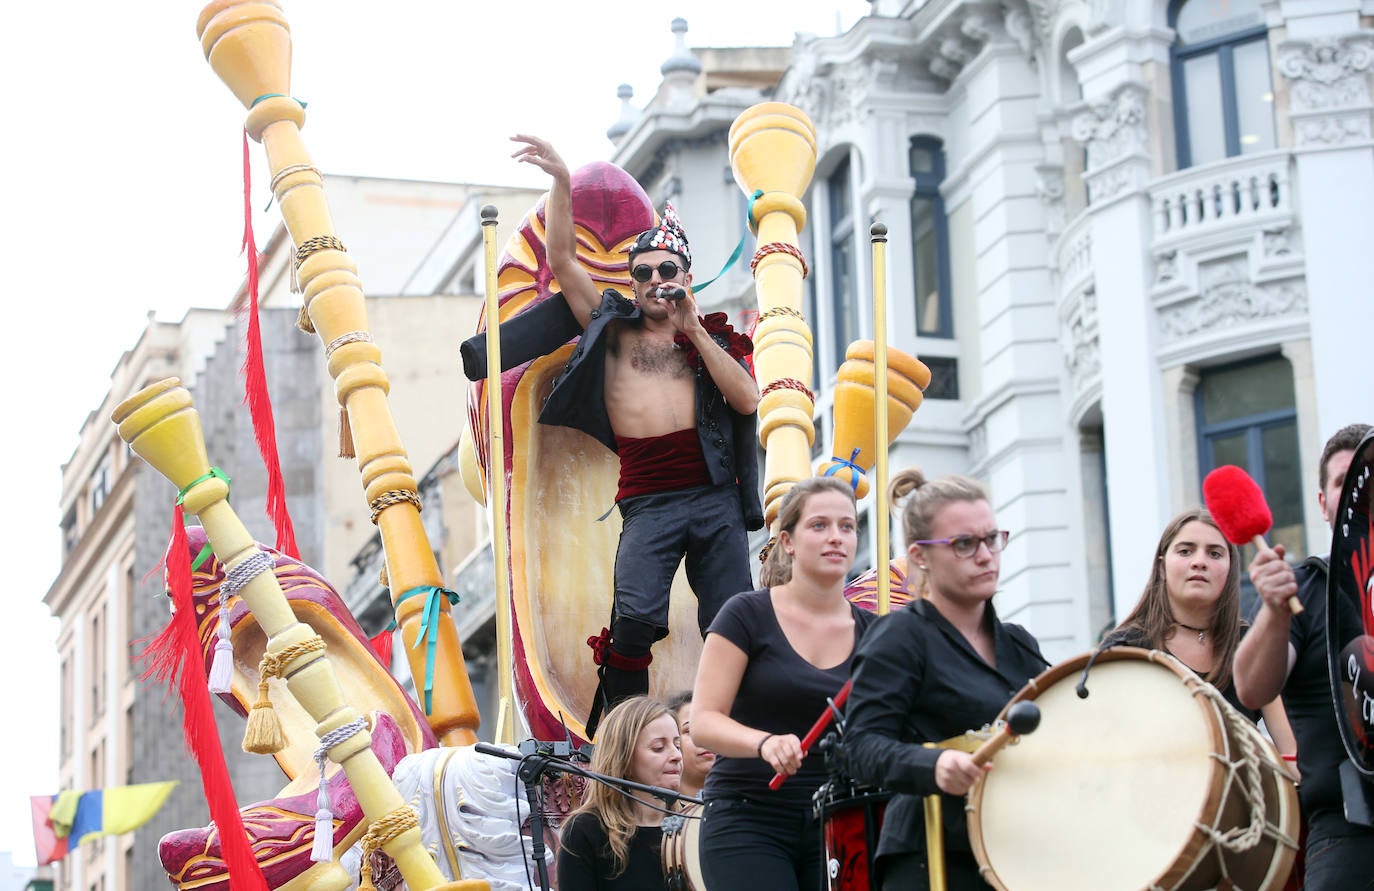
<point x="390" y="497"/>
<point x="381" y="833"/>
<point x="263" y="734"/>
<point x="781" y="311"/>
<point x="315" y="245"/>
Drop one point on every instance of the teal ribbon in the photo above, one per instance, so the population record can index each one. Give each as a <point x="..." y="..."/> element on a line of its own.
<point x="429" y="630"/>
<point x="214" y="474"/>
<point x="751" y="225"/>
<point x="255" y="102"/>
<point x="840" y="462"/>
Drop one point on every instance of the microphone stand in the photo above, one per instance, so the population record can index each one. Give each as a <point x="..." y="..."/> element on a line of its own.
<point x="532" y="768"/>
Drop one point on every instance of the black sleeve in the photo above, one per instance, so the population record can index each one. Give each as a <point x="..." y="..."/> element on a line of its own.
<point x="577" y="853"/>
<point x="536" y="332"/>
<point x="737" y="620"/>
<point x="887" y="675"/>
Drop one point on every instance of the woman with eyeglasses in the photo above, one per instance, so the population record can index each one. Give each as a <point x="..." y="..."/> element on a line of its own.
<point x="939" y="666"/>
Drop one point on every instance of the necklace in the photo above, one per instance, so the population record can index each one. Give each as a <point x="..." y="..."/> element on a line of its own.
<point x="1201" y="632"/>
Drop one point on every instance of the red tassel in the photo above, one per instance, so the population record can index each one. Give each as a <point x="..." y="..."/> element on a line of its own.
<point x="169" y="659"/>
<point x="255" y="383"/>
<point x="381" y="645"/>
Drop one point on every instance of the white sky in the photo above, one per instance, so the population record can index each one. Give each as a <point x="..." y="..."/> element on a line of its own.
<point x="123" y="194"/>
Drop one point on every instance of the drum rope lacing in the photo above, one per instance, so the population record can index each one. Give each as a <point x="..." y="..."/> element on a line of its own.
<point x="1246" y="769"/>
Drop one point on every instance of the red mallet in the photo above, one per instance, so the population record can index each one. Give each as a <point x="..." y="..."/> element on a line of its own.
<point x="1238" y="506"/>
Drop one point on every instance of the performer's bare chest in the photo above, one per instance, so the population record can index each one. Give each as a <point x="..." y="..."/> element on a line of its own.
<point x="650" y="390"/>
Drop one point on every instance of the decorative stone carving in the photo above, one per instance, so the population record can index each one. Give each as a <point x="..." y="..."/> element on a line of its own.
<point x="1081" y="344"/>
<point x="1327" y="73"/>
<point x="1330" y="88"/>
<point x="1229" y="299"/>
<point x="1278" y="242"/>
<point x="1166" y="268"/>
<point x="1049" y="185"/>
<point x="943" y="68"/>
<point x="976" y="27"/>
<point x="1113" y="127"/>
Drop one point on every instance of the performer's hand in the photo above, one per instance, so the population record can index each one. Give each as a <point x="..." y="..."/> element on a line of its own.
<point x="1273" y="579"/>
<point x="541" y="154"/>
<point x="683" y="313"/>
<point x="955" y="772"/>
<point x="783" y="753"/>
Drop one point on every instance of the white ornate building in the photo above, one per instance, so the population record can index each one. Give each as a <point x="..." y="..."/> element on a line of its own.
<point x="1128" y="237"/>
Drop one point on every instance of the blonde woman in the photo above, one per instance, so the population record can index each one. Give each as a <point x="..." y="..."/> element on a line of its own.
<point x="612" y="842"/>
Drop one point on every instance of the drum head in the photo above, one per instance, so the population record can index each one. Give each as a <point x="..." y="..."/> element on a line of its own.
<point x="1105" y="793"/>
<point x="1350" y="612"/>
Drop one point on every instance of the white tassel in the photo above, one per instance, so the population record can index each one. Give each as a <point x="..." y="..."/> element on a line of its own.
<point x="323" y="849"/>
<point x="222" y="666"/>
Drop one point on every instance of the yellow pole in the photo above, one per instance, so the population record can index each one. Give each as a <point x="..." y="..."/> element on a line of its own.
<point x="882" y="514"/>
<point x="496" y="488"/>
<point x="248" y="44"/>
<point x="935" y="838"/>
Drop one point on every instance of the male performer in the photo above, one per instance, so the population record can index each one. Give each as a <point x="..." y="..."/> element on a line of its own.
<point x="1287" y="653"/>
<point x="675" y="401"/>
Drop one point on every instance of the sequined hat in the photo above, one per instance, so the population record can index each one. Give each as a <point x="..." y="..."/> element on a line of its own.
<point x="666" y="236"/>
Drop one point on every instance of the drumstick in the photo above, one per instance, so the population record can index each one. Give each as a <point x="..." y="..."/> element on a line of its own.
<point x="1238" y="506"/>
<point x="816" y="730"/>
<point x="1022" y="718"/>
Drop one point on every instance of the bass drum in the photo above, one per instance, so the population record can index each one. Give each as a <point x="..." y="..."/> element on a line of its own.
<point x="1151" y="781"/>
<point x="1350" y="614"/>
<point x="681" y="851"/>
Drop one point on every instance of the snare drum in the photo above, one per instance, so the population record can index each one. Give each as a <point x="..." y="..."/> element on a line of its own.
<point x="681" y="851"/>
<point x="1152" y="781"/>
<point x="851" y="821"/>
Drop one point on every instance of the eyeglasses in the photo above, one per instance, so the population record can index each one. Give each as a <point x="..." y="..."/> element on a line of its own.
<point x="967" y="545"/>
<point x="667" y="270"/>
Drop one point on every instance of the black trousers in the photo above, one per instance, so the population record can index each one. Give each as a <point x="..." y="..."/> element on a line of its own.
<point x="749" y="846"/>
<point x="705" y="525"/>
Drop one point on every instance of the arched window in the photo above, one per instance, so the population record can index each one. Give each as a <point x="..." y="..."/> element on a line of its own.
<point x="1222" y="77"/>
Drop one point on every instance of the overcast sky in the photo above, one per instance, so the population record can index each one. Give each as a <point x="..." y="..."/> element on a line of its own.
<point x="123" y="195"/>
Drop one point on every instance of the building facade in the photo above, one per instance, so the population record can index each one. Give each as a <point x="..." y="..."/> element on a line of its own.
<point x="1122" y="235"/>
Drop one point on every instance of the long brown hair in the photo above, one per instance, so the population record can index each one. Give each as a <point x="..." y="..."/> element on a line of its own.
<point x="1154" y="618"/>
<point x="614" y="756"/>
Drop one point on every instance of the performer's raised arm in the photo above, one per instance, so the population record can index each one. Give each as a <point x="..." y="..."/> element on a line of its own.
<point x="576" y="283"/>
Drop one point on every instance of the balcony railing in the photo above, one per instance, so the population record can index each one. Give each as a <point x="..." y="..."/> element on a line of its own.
<point x="1243" y="190"/>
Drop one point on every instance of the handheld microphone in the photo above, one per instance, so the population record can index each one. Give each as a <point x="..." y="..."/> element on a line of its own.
<point x="670" y="292"/>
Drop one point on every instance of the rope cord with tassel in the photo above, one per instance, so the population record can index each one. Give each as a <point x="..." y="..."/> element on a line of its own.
<point x="236" y="579"/>
<point x="263" y="734"/>
<point x="323" y="849"/>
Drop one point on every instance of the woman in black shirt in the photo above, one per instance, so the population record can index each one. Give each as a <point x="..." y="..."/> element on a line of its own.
<point x="612" y="842"/>
<point x="1191" y="609"/>
<point x="939" y="666"/>
<point x="770" y="660"/>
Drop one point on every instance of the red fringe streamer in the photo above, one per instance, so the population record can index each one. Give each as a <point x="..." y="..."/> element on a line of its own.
<point x="174" y="657"/>
<point x="255" y="383"/>
<point x="382" y="645"/>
